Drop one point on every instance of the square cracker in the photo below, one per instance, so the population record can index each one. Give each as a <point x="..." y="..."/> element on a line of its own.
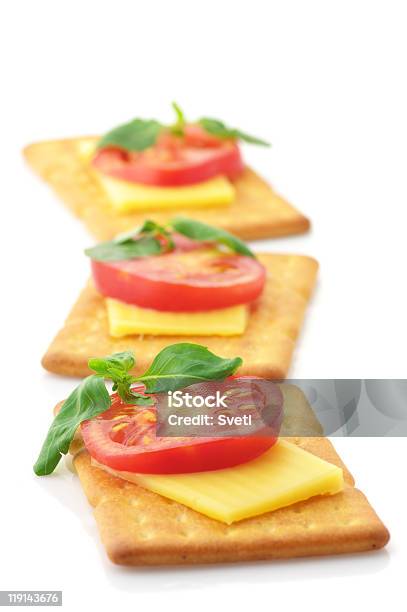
<point x="138" y="527"/>
<point x="257" y="212"/>
<point x="266" y="347"/>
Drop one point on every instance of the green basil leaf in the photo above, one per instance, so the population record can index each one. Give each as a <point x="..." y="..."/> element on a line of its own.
<point x="221" y="130"/>
<point x="136" y="135"/>
<point x="196" y="230"/>
<point x="88" y="400"/>
<point x="183" y="364"/>
<point x="125" y="248"/>
<point x="124" y="362"/>
<point x="116" y="367"/>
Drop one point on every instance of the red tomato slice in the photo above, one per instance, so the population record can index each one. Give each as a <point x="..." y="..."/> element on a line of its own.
<point x="185" y="280"/>
<point x="174" y="161"/>
<point x="124" y="438"/>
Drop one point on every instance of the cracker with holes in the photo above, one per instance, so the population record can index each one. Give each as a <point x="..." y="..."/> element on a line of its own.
<point x="251" y="489"/>
<point x="246" y="206"/>
<point x="140" y="527"/>
<point x="266" y="346"/>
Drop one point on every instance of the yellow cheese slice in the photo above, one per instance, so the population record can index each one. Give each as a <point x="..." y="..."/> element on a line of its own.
<point x="126" y="319"/>
<point x="284" y="475"/>
<point x="127" y="197"/>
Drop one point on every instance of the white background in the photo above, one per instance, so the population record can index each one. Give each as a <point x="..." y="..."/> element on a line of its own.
<point x="325" y="82"/>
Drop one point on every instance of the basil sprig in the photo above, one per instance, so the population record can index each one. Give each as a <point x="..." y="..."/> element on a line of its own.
<point x="175" y="367"/>
<point x="140" y="242"/>
<point x="116" y="367"/>
<point x="140" y="134"/>
<point x="144" y="241"/>
<point x="221" y="130"/>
